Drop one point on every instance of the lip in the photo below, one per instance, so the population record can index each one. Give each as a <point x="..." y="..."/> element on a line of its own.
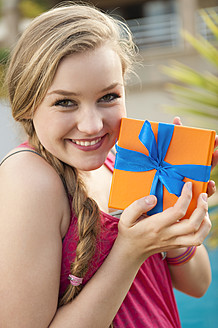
<point x="88" y="147"/>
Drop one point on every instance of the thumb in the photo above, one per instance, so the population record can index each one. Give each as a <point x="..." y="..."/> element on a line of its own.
<point x="141" y="206"/>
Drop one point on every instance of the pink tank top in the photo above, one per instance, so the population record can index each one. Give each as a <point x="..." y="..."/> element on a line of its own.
<point x="150" y="302"/>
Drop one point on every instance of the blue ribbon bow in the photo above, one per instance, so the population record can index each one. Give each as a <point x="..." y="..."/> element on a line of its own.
<point x="168" y="175"/>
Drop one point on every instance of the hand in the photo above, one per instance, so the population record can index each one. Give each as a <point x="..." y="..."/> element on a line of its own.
<point x="142" y="236"/>
<point x="211" y="187"/>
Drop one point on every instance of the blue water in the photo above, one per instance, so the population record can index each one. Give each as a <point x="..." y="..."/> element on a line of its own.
<point x="203" y="312"/>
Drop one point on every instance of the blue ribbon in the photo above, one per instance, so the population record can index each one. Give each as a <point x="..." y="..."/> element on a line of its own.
<point x="168" y="175"/>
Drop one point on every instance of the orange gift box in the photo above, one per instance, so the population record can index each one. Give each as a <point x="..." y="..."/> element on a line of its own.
<point x="186" y="148"/>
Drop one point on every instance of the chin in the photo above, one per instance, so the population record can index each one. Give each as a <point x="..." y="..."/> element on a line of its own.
<point x="91" y="167"/>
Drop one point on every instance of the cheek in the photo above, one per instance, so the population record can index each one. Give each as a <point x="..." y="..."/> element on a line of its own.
<point x="43" y="133"/>
<point x="121" y="113"/>
<point x="116" y="121"/>
<point x="44" y="127"/>
<point x="50" y="123"/>
<point x="123" y="109"/>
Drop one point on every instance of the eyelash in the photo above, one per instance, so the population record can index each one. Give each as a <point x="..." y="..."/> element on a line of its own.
<point x="62" y="101"/>
<point x="112" y="97"/>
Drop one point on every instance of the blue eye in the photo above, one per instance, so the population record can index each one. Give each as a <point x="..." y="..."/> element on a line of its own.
<point x="65" y="103"/>
<point x="109" y="97"/>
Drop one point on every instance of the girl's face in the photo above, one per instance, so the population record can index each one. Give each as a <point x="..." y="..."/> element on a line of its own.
<point x="78" y="121"/>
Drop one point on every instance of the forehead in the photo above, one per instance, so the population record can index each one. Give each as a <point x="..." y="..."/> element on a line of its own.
<point x="102" y="65"/>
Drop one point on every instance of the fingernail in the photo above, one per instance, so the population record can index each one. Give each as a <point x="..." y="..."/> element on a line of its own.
<point x="150" y="200"/>
<point x="189" y="185"/>
<point x="204" y="197"/>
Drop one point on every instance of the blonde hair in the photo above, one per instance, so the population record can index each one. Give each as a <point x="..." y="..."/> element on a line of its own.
<point x="65" y="30"/>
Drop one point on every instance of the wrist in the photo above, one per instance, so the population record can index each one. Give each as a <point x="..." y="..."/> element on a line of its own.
<point x="131" y="254"/>
<point x="126" y="253"/>
<point x="183" y="257"/>
<point x="176" y="252"/>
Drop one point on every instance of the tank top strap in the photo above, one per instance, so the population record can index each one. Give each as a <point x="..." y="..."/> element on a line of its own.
<point x="109" y="162"/>
<point x="19" y="151"/>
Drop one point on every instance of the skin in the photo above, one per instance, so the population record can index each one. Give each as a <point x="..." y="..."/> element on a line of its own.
<point x="33" y="222"/>
<point x="86" y="109"/>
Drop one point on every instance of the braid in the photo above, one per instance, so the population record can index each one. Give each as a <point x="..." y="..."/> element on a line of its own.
<point x="70" y="29"/>
<point x="88" y="228"/>
<point x="87" y="213"/>
<point x="85" y="209"/>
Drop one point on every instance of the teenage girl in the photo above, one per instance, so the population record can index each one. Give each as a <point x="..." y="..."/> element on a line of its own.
<point x="66" y="261"/>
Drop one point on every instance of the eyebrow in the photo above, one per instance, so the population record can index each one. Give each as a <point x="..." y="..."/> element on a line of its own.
<point x="70" y="93"/>
<point x="112" y="86"/>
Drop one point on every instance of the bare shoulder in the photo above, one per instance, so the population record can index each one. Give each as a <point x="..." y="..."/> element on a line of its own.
<point x="27" y="178"/>
<point x="34" y="216"/>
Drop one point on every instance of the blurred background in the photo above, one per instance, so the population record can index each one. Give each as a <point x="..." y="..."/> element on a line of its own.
<point x="177" y="42"/>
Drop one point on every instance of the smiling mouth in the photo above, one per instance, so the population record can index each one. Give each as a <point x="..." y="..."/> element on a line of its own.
<point x="86" y="143"/>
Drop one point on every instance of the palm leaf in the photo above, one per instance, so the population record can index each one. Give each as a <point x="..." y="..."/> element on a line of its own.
<point x="197" y="92"/>
<point x="191" y="110"/>
<point x="204" y="47"/>
<point x="204" y="98"/>
<point x="211" y="20"/>
<point x="185" y="74"/>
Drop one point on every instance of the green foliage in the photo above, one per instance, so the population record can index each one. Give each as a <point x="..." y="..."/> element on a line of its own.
<point x="4" y="54"/>
<point x="197" y="92"/>
<point x="211" y="22"/>
<point x="2" y="75"/>
<point x="31" y="8"/>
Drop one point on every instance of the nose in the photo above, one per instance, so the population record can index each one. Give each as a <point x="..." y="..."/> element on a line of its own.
<point x="90" y="121"/>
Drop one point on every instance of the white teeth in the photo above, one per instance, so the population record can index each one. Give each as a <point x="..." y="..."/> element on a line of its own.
<point x="86" y="143"/>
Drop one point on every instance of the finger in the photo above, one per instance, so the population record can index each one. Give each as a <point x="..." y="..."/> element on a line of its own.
<point x="198" y="214"/>
<point x="215" y="159"/>
<point x="203" y="231"/>
<point x="179" y="210"/>
<point x="177" y="120"/>
<point x="192" y="225"/>
<point x="202" y="205"/>
<point x="134" y="211"/>
<point x="211" y="188"/>
<point x="215" y="154"/>
<point x="197" y="238"/>
<point x="216" y="141"/>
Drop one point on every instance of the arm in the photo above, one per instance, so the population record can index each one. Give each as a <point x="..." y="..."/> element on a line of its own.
<point x="31" y="226"/>
<point x="30" y="234"/>
<point x="109" y="286"/>
<point x="30" y="222"/>
<point x="194" y="277"/>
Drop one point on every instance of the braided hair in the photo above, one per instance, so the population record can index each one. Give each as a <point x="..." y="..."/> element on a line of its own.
<point x="64" y="30"/>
